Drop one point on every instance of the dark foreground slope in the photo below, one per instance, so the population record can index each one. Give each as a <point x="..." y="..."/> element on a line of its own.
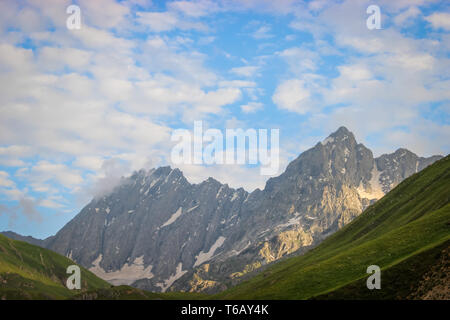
<point x="406" y="233"/>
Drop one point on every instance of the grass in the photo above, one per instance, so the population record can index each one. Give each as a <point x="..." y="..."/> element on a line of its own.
<point x="28" y="271"/>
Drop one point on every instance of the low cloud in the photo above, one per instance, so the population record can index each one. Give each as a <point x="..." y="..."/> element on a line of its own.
<point x="25" y="207"/>
<point x="110" y="176"/>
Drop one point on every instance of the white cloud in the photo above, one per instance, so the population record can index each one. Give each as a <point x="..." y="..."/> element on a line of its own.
<point x="279" y="7"/>
<point x="402" y="18"/>
<point x="30" y="20"/>
<point x="88" y="162"/>
<point x="161" y="56"/>
<point x="16" y="151"/>
<point x="195" y="9"/>
<point x="98" y="39"/>
<point x="103" y="13"/>
<point x="237" y="84"/>
<point x="317" y="5"/>
<point x="5" y="181"/>
<point x="246" y="71"/>
<point x="212" y="102"/>
<point x="15" y="59"/>
<point x="251" y="107"/>
<point x="439" y="20"/>
<point x="300" y="59"/>
<point x="292" y="95"/>
<point x="166" y="21"/>
<point x="262" y="32"/>
<point x="355" y="72"/>
<point x="45" y="171"/>
<point x="48" y="203"/>
<point x="51" y="58"/>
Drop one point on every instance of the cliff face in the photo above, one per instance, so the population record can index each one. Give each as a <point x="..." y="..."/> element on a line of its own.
<point x="158" y="232"/>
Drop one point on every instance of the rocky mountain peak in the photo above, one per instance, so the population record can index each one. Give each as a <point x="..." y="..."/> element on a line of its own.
<point x="342" y="132"/>
<point x="340" y="136"/>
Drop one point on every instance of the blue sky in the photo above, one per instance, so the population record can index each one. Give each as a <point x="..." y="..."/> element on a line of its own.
<point x="81" y="108"/>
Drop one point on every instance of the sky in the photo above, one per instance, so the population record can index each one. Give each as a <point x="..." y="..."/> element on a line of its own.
<point x="79" y="108"/>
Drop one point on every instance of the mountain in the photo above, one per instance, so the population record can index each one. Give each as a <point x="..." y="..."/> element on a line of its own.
<point x="158" y="232"/>
<point x="406" y="234"/>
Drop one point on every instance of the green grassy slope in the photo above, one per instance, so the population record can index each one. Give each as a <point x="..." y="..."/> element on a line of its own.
<point x="416" y="277"/>
<point x="31" y="272"/>
<point x="413" y="219"/>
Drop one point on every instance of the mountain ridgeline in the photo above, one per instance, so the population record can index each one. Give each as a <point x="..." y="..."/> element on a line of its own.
<point x="158" y="232"/>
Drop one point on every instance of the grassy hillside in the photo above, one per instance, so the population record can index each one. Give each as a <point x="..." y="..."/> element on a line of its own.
<point x="409" y="225"/>
<point x="31" y="272"/>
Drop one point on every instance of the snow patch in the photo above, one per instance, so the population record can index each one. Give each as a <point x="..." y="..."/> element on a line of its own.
<point x="173" y="217"/>
<point x="168" y="176"/>
<point x="376" y="190"/>
<point x="291" y="222"/>
<point x="128" y="274"/>
<point x="234" y="252"/>
<point x="203" y="257"/>
<point x="193" y="208"/>
<point x="167" y="283"/>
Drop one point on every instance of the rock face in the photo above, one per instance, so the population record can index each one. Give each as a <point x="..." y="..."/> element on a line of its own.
<point x="159" y="232"/>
